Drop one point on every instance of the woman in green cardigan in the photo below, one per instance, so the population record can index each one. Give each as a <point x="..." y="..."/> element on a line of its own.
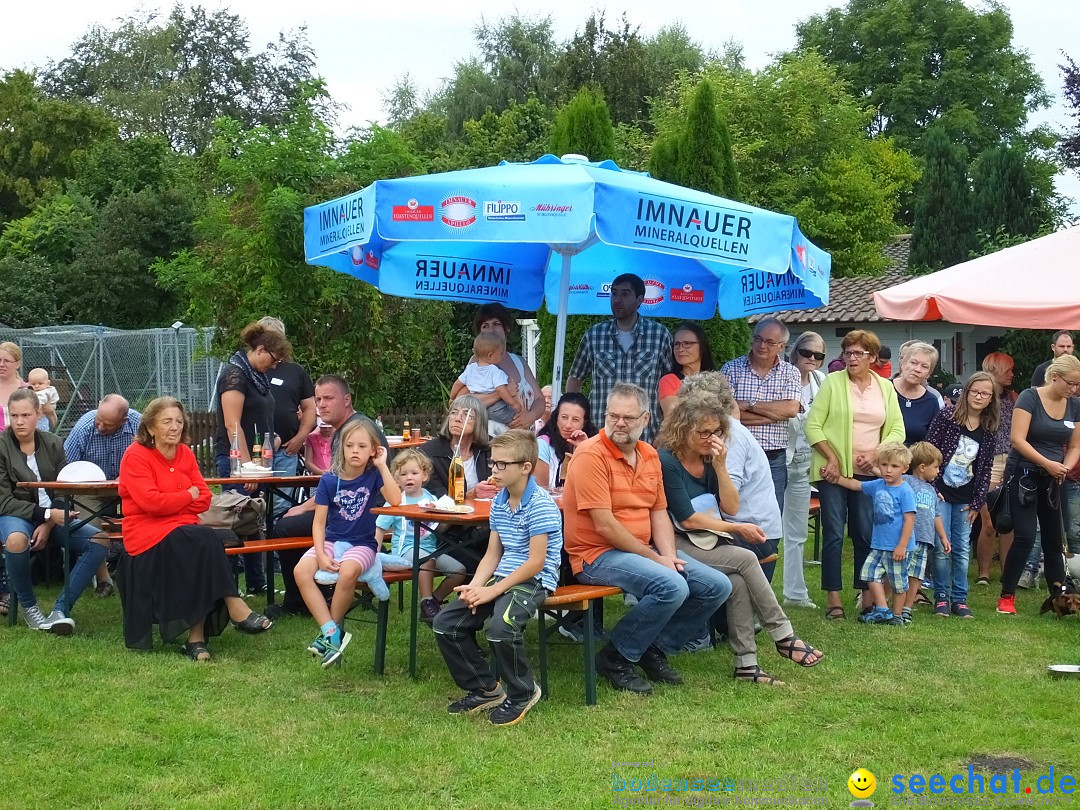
<point x="854" y="412"/>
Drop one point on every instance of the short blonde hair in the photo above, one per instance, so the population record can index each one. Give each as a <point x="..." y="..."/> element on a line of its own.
<point x="521" y="444"/>
<point x="12" y="349"/>
<point x="403" y="457"/>
<point x="919" y="347"/>
<point x="893" y="453"/>
<point x="924" y="453"/>
<point x="486" y="343"/>
<point x="1060" y="366"/>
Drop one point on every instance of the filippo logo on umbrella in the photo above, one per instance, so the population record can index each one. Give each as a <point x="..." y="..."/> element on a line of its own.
<point x="458" y="211"/>
<point x="503" y="211"/>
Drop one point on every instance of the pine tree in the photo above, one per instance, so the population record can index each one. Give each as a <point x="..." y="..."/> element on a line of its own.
<point x="1004" y="200"/>
<point x="584" y="127"/>
<point x="943" y="232"/>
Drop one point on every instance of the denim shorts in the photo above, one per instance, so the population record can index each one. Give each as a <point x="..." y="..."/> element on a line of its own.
<point x="880" y="564"/>
<point x="9" y="524"/>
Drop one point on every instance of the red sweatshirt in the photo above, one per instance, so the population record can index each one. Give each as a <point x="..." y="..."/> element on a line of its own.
<point x="154" y="495"/>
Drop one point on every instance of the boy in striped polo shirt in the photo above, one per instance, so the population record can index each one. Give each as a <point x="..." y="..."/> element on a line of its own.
<point x="518" y="572"/>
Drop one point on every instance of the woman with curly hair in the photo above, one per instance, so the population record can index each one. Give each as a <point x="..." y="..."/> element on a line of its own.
<point x="694" y="442"/>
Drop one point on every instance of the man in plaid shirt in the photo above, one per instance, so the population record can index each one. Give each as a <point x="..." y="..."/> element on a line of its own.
<point x="768" y="391"/>
<point x="626" y="349"/>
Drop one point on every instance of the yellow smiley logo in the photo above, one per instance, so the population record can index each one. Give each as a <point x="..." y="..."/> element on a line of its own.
<point x="862" y="784"/>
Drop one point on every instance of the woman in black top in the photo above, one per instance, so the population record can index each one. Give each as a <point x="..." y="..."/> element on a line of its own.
<point x="919" y="404"/>
<point x="1045" y="446"/>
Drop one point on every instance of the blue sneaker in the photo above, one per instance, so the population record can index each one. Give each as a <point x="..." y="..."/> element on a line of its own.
<point x="318" y="647"/>
<point x="878" y="615"/>
<point x="334" y="651"/>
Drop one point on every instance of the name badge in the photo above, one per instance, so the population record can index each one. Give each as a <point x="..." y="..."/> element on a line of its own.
<point x="1069" y="425"/>
<point x="276" y="381"/>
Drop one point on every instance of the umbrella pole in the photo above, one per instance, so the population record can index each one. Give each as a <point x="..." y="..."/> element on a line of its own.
<point x="560" y="328"/>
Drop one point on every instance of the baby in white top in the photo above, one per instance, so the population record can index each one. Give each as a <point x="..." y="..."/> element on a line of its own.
<point x="483" y="376"/>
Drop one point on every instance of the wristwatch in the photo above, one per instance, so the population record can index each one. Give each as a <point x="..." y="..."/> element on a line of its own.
<point x="48" y="514"/>
<point x="750" y="406"/>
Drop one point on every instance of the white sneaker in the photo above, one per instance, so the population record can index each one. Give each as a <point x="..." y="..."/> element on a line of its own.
<point x="629" y="599"/>
<point x="1027" y="579"/>
<point x="35" y="619"/>
<point x="60" y="624"/>
<point x="799" y="603"/>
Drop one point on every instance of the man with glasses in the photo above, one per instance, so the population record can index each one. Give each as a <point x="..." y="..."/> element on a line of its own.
<point x="767" y="390"/>
<point x="617" y="532"/>
<point x="1061" y="343"/>
<point x="628" y="348"/>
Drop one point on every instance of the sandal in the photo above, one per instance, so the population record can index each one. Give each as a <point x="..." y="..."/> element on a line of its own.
<point x="922" y="599"/>
<point x="196" y="651"/>
<point x="835" y="612"/>
<point x="254" y="624"/>
<point x="792" y="645"/>
<point x="755" y="674"/>
<point x="5" y="603"/>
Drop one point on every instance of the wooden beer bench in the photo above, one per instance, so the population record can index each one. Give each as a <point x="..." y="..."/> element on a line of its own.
<point x="561" y="607"/>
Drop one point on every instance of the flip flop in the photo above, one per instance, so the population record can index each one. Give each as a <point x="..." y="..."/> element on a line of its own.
<point x="788" y="647"/>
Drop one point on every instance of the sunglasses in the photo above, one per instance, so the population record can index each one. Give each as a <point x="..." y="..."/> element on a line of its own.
<point x="819" y="356"/>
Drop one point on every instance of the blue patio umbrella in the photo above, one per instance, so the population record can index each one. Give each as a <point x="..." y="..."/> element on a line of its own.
<point x="560" y="229"/>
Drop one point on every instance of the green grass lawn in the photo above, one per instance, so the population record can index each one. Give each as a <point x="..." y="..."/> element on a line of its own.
<point x="88" y="723"/>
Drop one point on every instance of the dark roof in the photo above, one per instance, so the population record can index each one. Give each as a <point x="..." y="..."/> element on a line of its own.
<point x="851" y="300"/>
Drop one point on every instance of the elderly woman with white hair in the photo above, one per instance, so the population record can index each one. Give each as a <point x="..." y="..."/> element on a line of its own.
<point x="919" y="403"/>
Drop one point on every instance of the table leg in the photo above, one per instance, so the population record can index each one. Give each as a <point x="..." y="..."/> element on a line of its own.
<point x="414" y="615"/>
<point x="268" y="557"/>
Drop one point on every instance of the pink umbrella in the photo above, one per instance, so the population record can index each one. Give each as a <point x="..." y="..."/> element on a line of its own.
<point x="1035" y="285"/>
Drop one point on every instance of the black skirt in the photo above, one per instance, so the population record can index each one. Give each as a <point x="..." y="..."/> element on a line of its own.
<point x="181" y="581"/>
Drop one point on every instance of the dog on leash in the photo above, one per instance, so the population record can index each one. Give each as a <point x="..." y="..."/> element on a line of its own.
<point x="1064" y="602"/>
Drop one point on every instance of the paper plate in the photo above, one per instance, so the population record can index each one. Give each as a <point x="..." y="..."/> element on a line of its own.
<point x="1063" y="671"/>
<point x="81" y="472"/>
<point x="463" y="509"/>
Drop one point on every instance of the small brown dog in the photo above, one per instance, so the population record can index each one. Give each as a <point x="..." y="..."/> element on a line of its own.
<point x="1065" y="602"/>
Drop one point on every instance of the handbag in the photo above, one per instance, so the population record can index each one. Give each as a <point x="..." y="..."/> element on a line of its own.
<point x="238" y="512"/>
<point x="998" y="504"/>
<point x="706" y="539"/>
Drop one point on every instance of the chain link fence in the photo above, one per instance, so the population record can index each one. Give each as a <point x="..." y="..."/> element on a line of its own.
<point x="87" y="362"/>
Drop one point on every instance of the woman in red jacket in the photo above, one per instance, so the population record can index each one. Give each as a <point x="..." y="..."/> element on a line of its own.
<point x="175" y="571"/>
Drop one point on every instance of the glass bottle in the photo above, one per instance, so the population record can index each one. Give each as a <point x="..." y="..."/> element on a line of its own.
<point x="235" y="457"/>
<point x="457" y="480"/>
<point x="256" y="451"/>
<point x="268" y="451"/>
<point x="405" y="432"/>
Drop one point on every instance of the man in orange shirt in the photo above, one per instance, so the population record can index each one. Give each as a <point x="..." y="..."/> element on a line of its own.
<point x="617" y="532"/>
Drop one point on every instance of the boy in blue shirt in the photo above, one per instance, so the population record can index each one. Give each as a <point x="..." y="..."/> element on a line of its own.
<point x="894" y="521"/>
<point x="925" y="466"/>
<point x="518" y="572"/>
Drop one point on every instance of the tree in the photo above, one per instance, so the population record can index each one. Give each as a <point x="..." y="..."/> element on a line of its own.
<point x="1070" y="144"/>
<point x="173" y="76"/>
<point x="917" y="62"/>
<point x="1004" y="198"/>
<point x="27" y="292"/>
<point x="41" y="140"/>
<point x="944" y="231"/>
<point x="583" y="127"/>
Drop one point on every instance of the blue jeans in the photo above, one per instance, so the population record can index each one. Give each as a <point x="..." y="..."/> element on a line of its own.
<point x="778" y="470"/>
<point x="953" y="567"/>
<point x="840" y="507"/>
<point x="254" y="571"/>
<point x="91" y="556"/>
<point x="286" y="465"/>
<point x="1070" y="496"/>
<point x="671" y="607"/>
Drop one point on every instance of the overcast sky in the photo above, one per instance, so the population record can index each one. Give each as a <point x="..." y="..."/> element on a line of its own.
<point x="362" y="48"/>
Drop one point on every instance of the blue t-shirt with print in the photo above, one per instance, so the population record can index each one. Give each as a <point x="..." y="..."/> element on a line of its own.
<point x="349" y="502"/>
<point x="890" y="504"/>
<point x="401" y="537"/>
<point x="927" y="509"/>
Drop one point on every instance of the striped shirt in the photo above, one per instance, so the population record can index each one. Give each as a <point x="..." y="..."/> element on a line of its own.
<point x="86" y="443"/>
<point x="782" y="382"/>
<point x="602" y="478"/>
<point x="536" y="514"/>
<point x="601" y="356"/>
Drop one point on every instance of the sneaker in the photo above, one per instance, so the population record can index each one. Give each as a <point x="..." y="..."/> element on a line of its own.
<point x="510" y="712"/>
<point x="1027" y="579"/>
<point x="105" y="589"/>
<point x="612" y="665"/>
<point x="983" y="582"/>
<point x="477" y="700"/>
<point x="59" y="624"/>
<point x="702" y="644"/>
<point x="573" y="632"/>
<point x="1007" y="604"/>
<point x="655" y="665"/>
<point x="318" y="647"/>
<point x="878" y="615"/>
<point x="941" y="608"/>
<point x="799" y="603"/>
<point x="35" y="619"/>
<point x="962" y="610"/>
<point x="905" y="616"/>
<point x="894" y="619"/>
<point x="429" y="609"/>
<point x="333" y="653"/>
<point x="629" y="599"/>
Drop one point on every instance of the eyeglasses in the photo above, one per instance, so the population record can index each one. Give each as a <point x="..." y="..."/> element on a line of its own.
<point x="708" y="434"/>
<point x="273" y="356"/>
<point x="819" y="356"/>
<point x="684" y="344"/>
<point x="772" y="344"/>
<point x="980" y="394"/>
<point x="616" y="418"/>
<point x="1070" y="385"/>
<point x="499" y="466"/>
<point x="854" y="354"/>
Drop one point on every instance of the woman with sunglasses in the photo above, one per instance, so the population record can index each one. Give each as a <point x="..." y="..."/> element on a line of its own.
<point x="918" y="403"/>
<point x="1045" y="446"/>
<point x="854" y="412"/>
<point x="807" y="355"/>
